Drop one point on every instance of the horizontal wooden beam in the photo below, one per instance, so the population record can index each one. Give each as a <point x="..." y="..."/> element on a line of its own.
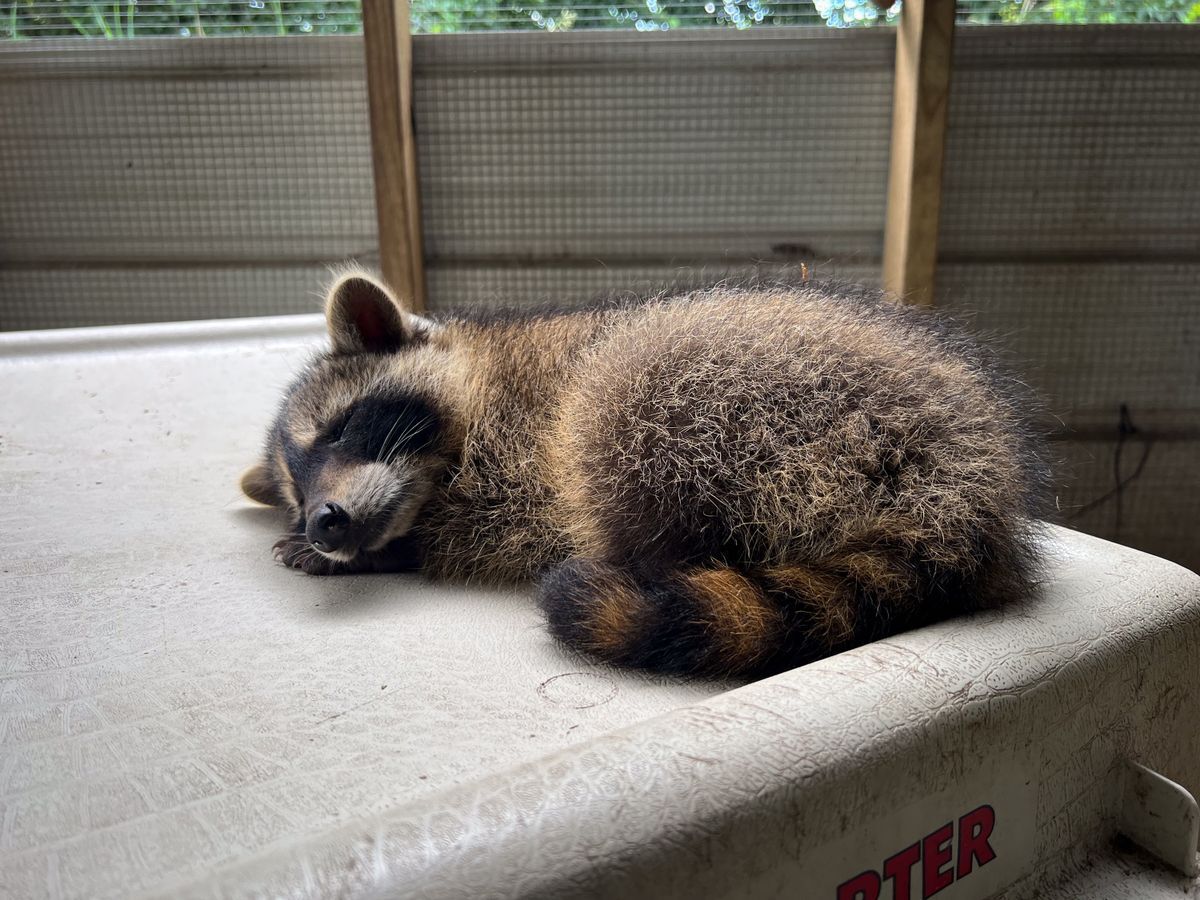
<point x="924" y="51"/>
<point x="388" y="44"/>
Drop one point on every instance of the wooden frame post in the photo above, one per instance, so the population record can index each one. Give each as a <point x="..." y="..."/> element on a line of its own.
<point x="388" y="44"/>
<point x="924" y="49"/>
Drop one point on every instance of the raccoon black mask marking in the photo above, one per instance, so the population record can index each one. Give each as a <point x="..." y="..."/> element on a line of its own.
<point x="729" y="481"/>
<point x="354" y="449"/>
<point x="357" y="467"/>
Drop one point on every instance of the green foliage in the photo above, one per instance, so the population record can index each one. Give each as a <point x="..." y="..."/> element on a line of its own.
<point x="650" y="15"/>
<point x="157" y="18"/>
<point x="161" y="18"/>
<point x="1082" y="12"/>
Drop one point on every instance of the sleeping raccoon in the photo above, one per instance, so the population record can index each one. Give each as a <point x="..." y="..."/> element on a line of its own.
<point x="731" y="481"/>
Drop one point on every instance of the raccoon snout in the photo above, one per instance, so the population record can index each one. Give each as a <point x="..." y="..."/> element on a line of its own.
<point x="329" y="528"/>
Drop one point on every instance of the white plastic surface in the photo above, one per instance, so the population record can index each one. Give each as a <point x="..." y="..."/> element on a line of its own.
<point x="181" y="715"/>
<point x="1162" y="817"/>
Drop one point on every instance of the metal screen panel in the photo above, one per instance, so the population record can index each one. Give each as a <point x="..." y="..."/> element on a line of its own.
<point x="1076" y="143"/>
<point x="548" y="163"/>
<point x="162" y="179"/>
<point x="490" y="286"/>
<point x="215" y="177"/>
<point x="66" y="297"/>
<point x="1071" y="229"/>
<point x="1158" y="509"/>
<point x="557" y="159"/>
<point x="1091" y="336"/>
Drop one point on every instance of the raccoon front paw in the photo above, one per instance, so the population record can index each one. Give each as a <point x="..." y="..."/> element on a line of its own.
<point x="300" y="554"/>
<point x="404" y="554"/>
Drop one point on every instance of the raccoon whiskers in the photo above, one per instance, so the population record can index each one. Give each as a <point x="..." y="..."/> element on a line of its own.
<point x="383" y="448"/>
<point x="286" y="541"/>
<point x="402" y="440"/>
<point x="401" y="510"/>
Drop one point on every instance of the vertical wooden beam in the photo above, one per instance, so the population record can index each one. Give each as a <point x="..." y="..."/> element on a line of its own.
<point x="393" y="148"/>
<point x="924" y="48"/>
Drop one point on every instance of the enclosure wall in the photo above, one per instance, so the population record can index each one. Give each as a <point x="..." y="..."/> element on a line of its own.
<point x="178" y="179"/>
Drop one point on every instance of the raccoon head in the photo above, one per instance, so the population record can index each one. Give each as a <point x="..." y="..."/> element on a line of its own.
<point x="362" y="435"/>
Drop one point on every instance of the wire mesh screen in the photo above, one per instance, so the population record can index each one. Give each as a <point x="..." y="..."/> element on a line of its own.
<point x="1070" y="227"/>
<point x="561" y="168"/>
<point x="161" y="179"/>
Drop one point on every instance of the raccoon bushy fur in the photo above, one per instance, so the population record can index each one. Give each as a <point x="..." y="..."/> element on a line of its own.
<point x="727" y="481"/>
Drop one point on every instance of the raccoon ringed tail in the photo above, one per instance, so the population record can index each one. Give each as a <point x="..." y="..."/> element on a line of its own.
<point x="703" y="621"/>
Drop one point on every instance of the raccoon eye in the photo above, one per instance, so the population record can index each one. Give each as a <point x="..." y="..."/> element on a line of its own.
<point x="334" y="430"/>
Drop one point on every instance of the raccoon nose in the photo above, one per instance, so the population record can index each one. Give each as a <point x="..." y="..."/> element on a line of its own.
<point x="328" y="527"/>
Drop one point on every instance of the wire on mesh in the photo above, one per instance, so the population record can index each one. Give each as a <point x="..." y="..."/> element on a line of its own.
<point x="1125" y="430"/>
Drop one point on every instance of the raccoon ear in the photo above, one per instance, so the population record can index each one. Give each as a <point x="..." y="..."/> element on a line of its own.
<point x="259" y="486"/>
<point x="364" y="317"/>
